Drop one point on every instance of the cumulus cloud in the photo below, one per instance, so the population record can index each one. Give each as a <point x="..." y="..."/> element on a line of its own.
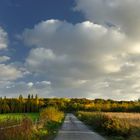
<point x="14" y="89"/>
<point x="4" y="58"/>
<point x="30" y="84"/>
<point x="83" y="60"/>
<point x="8" y="71"/>
<point x="122" y="14"/>
<point x="3" y="39"/>
<point x="97" y="58"/>
<point x="62" y="44"/>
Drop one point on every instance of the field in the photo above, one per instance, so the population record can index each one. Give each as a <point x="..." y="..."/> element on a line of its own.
<point x="132" y="118"/>
<point x="115" y="126"/>
<point x="19" y="116"/>
<point x="30" y="126"/>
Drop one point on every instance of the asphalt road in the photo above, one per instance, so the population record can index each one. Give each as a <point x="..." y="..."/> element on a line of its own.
<point x="73" y="129"/>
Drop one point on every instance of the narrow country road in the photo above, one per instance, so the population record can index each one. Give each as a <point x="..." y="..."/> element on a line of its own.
<point x="73" y="129"/>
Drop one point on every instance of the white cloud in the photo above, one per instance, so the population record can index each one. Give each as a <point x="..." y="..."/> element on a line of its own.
<point x="14" y="89"/>
<point x="30" y="84"/>
<point x="4" y="58"/>
<point x="123" y="14"/>
<point x="3" y="39"/>
<point x="44" y="83"/>
<point x="83" y="60"/>
<point x="8" y="72"/>
<point x="97" y="58"/>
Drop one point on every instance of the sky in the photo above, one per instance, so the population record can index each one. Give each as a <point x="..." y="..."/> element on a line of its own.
<point x="70" y="48"/>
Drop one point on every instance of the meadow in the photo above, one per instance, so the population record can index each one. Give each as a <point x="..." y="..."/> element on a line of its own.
<point x="19" y="116"/>
<point x="11" y="119"/>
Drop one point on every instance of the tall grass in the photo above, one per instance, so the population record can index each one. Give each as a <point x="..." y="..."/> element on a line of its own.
<point x="22" y="131"/>
<point x="133" y="119"/>
<point x="106" y="124"/>
<point x="118" y="126"/>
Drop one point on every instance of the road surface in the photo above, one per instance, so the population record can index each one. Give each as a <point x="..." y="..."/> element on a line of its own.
<point x="73" y="129"/>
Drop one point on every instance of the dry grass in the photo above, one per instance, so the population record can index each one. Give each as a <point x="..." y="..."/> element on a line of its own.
<point x="22" y="132"/>
<point x="134" y="121"/>
<point x="132" y="118"/>
<point x="25" y="129"/>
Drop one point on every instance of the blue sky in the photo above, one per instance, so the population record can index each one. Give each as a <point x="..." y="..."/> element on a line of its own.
<point x="70" y="48"/>
<point x="16" y="15"/>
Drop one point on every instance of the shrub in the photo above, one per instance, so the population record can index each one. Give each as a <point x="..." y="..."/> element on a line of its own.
<point x="52" y="126"/>
<point x="51" y="114"/>
<point x="52" y="119"/>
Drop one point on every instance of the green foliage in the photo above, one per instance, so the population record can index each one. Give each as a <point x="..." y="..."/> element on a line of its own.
<point x="18" y="116"/>
<point x="52" y="126"/>
<point x="20" y="105"/>
<point x="41" y="132"/>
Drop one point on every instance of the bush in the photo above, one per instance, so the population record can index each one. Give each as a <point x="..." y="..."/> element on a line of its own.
<point x="52" y="119"/>
<point x="51" y="114"/>
<point x="52" y="126"/>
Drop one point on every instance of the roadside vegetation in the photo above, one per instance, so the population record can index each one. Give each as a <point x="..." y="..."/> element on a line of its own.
<point x="31" y="126"/>
<point x="40" y="118"/>
<point x="115" y="126"/>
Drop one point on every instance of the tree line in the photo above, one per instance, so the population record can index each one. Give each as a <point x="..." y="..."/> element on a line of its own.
<point x="34" y="104"/>
<point x="20" y="105"/>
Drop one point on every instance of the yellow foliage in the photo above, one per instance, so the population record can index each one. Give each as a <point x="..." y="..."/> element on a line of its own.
<point x="51" y="114"/>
